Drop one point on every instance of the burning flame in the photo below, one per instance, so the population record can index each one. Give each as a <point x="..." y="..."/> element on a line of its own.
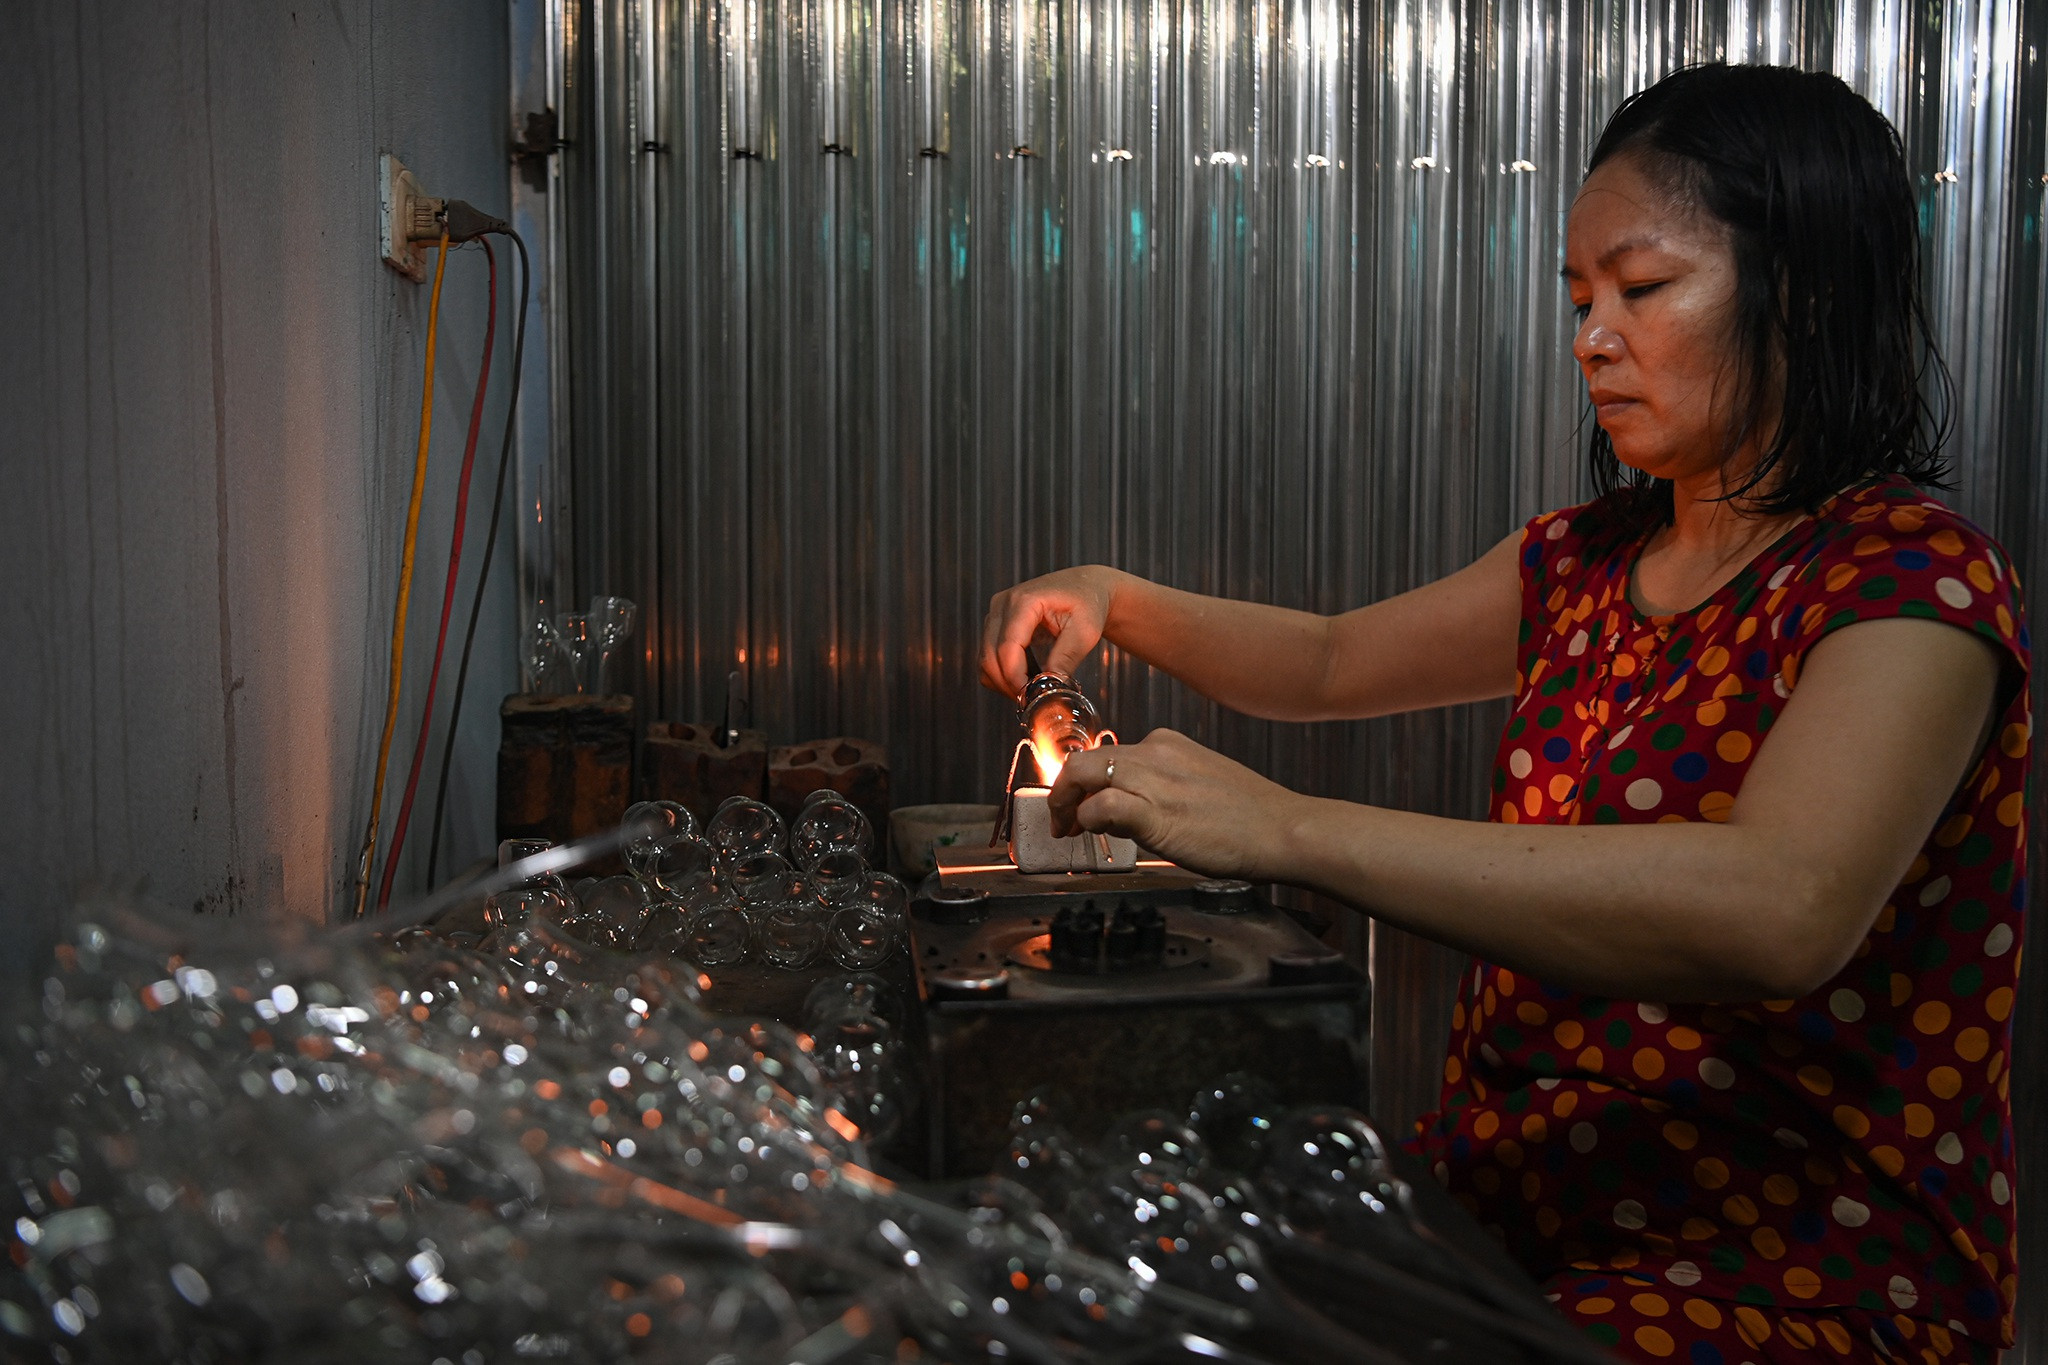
<point x="1058" y="731"/>
<point x="1058" y="722"/>
<point x="1050" y="759"/>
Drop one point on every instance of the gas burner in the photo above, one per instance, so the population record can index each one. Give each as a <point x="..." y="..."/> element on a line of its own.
<point x="1123" y="990"/>
<point x="1134" y="939"/>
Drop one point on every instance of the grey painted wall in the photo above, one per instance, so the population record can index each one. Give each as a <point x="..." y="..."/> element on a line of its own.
<point x="209" y="396"/>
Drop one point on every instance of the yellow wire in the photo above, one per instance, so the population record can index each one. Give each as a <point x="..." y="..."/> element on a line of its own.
<point x="412" y="532"/>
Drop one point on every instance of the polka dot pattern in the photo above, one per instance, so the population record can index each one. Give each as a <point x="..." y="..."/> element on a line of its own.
<point x="1636" y="1321"/>
<point x="1805" y="1171"/>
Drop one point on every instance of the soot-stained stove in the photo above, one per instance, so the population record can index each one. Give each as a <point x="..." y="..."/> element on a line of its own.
<point x="1118" y="991"/>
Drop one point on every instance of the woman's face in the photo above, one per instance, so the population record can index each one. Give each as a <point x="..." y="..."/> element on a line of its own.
<point x="1654" y="287"/>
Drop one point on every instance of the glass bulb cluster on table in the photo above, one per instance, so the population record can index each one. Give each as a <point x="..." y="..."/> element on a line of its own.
<point x="743" y="889"/>
<point x="408" y="1147"/>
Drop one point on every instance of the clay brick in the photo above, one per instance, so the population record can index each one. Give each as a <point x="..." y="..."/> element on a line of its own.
<point x="857" y="769"/>
<point x="682" y="762"/>
<point x="565" y="765"/>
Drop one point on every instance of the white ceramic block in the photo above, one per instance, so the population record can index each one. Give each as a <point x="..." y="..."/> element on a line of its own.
<point x="1034" y="849"/>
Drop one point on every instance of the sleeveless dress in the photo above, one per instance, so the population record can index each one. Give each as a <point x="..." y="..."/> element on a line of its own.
<point x="1826" y="1178"/>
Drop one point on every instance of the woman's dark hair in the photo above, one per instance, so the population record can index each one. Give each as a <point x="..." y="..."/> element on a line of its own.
<point x="1811" y="183"/>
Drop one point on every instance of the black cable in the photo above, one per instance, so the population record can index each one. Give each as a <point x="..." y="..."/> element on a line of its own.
<point x="483" y="576"/>
<point x="466" y="223"/>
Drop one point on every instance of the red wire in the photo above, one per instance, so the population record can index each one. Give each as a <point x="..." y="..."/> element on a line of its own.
<point x="419" y="748"/>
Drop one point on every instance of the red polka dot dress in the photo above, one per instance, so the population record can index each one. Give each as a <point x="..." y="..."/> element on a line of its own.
<point x="1830" y="1177"/>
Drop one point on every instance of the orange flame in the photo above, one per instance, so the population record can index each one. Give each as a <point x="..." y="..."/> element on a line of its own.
<point x="1051" y="759"/>
<point x="1056" y="731"/>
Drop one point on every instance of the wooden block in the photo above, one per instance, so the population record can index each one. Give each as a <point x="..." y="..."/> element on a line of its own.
<point x="857" y="769"/>
<point x="682" y="762"/>
<point x="565" y="765"/>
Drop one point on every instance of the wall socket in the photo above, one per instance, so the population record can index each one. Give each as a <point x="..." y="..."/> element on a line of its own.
<point x="407" y="216"/>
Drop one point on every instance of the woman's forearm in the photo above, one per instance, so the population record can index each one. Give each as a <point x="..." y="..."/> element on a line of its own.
<point x="1449" y="641"/>
<point x="1671" y="912"/>
<point x="1888" y="717"/>
<point x="1262" y="660"/>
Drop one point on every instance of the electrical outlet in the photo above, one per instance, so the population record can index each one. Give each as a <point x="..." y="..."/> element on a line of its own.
<point x="406" y="216"/>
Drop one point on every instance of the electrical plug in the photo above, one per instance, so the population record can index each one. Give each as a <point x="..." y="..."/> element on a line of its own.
<point x="465" y="222"/>
<point x="409" y="219"/>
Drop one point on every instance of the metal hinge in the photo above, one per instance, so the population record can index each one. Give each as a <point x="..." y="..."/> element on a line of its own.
<point x="541" y="139"/>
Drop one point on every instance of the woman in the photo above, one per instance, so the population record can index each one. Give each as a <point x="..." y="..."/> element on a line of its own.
<point x="1728" y="1074"/>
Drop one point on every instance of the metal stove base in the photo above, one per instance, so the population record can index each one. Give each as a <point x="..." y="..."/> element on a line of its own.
<point x="1240" y="988"/>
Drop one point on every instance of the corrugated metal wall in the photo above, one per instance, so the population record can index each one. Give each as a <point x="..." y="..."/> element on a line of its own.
<point x="871" y="307"/>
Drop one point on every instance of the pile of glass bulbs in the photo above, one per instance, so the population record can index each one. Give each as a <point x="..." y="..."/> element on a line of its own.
<point x="739" y="891"/>
<point x="222" y="1146"/>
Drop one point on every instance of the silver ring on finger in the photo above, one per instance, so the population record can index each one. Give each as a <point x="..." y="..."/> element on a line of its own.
<point x="1109" y="774"/>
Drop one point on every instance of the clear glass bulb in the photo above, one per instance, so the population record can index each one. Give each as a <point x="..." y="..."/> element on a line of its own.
<point x="572" y="633"/>
<point x="611" y="624"/>
<point x="611" y="912"/>
<point x="854" y="993"/>
<point x="765" y="876"/>
<point x="839" y="876"/>
<point x="829" y="823"/>
<point x="861" y="936"/>
<point x="885" y="894"/>
<point x="860" y="1058"/>
<point x="545" y="895"/>
<point x="663" y="929"/>
<point x="716" y="935"/>
<point x="659" y="827"/>
<point x="791" y="934"/>
<point x="744" y="828"/>
<point x="547" y="665"/>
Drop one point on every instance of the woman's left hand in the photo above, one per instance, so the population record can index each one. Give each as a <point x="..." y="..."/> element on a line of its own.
<point x="1188" y="804"/>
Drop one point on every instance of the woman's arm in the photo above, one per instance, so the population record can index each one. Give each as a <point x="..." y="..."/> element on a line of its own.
<point x="1450" y="641"/>
<point x="1887" y="718"/>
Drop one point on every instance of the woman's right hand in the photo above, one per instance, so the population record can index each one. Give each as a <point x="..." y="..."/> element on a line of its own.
<point x="1069" y="609"/>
